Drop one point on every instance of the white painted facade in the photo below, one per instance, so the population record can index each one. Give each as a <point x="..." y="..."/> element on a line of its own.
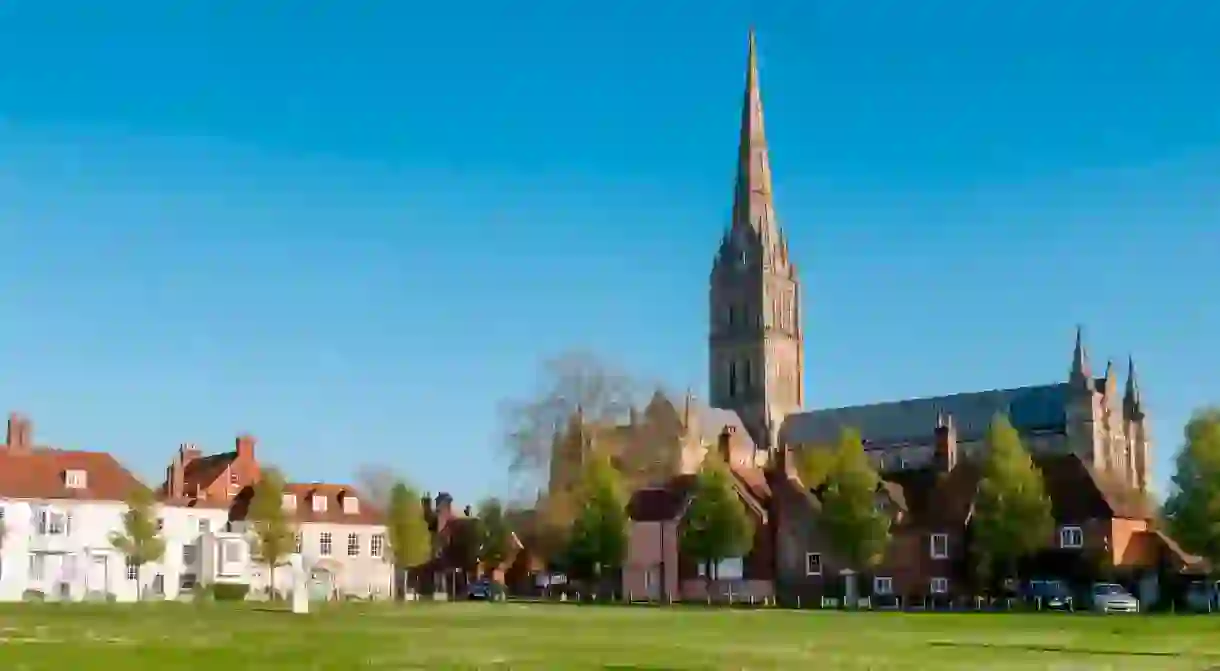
<point x="340" y="560"/>
<point x="61" y="549"/>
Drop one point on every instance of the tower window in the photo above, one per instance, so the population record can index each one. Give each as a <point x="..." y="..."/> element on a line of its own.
<point x="732" y="379"/>
<point x="732" y="315"/>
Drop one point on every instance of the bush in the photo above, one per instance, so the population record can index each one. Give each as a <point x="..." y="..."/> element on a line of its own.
<point x="33" y="595"/>
<point x="223" y="591"/>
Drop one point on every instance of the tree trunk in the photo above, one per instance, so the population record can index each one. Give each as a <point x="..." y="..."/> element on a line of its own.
<point x="272" y="591"/>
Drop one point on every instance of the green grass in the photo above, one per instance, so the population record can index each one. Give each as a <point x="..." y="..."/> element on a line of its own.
<point x="179" y="637"/>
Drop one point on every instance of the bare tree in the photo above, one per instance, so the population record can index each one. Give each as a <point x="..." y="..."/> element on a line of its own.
<point x="567" y="383"/>
<point x="375" y="482"/>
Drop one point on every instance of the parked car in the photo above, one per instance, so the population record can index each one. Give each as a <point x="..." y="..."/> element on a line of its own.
<point x="485" y="590"/>
<point x="1203" y="597"/>
<point x="1107" y="597"/>
<point x="1049" y="594"/>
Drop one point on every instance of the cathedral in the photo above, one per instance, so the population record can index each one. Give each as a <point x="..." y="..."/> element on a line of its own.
<point x="756" y="359"/>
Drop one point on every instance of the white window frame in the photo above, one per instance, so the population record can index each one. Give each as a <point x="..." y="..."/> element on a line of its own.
<point x="75" y="479"/>
<point x="298" y="543"/>
<point x="319" y="503"/>
<point x="190" y="554"/>
<point x="289" y="502"/>
<point x="944" y="540"/>
<point x="939" y="585"/>
<point x="353" y="545"/>
<point x="38" y="567"/>
<point x="351" y="505"/>
<point x="883" y="585"/>
<point x="809" y="571"/>
<point x="1065" y="537"/>
<point x="325" y="544"/>
<point x="377" y="546"/>
<point x="132" y="569"/>
<point x="205" y="525"/>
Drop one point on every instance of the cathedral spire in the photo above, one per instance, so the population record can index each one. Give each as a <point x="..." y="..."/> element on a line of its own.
<point x="1080" y="359"/>
<point x="1131" y="399"/>
<point x="752" y="204"/>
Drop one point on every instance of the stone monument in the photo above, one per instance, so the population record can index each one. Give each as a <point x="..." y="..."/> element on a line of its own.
<point x="300" y="586"/>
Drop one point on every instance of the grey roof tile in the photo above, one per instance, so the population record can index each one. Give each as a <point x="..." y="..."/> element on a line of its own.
<point x="1036" y="407"/>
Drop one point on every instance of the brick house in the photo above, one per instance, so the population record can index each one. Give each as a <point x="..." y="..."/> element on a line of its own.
<point x="1100" y="522"/>
<point x="340" y="538"/>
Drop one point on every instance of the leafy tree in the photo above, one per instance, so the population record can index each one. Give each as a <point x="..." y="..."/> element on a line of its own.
<point x="571" y="382"/>
<point x="407" y="532"/>
<point x="598" y="542"/>
<point x="716" y="524"/>
<point x="274" y="533"/>
<point x="1012" y="513"/>
<point x="1193" y="507"/>
<point x="813" y="464"/>
<point x="855" y="527"/>
<point x="139" y="541"/>
<point x="496" y="543"/>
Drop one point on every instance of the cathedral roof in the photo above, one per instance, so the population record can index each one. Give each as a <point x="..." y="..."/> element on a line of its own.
<point x="1028" y="408"/>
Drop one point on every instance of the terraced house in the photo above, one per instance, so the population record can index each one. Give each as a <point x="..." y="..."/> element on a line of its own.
<point x="1091" y="437"/>
<point x="59" y="508"/>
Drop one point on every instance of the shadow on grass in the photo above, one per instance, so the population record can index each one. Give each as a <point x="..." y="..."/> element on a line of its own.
<point x="1073" y="650"/>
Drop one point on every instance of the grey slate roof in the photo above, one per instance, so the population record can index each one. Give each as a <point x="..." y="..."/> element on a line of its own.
<point x="914" y="420"/>
<point x="712" y="421"/>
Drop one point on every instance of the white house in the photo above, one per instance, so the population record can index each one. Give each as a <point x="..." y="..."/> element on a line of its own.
<point x="341" y="541"/>
<point x="59" y="510"/>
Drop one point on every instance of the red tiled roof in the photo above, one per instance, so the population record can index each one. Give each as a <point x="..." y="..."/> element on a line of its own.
<point x="657" y="504"/>
<point x="204" y="471"/>
<point x="334" y="514"/>
<point x="38" y="473"/>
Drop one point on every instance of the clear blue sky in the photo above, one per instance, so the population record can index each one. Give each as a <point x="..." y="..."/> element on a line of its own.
<point x="351" y="228"/>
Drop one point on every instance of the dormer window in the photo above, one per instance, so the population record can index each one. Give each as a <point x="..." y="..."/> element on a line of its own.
<point x="233" y="478"/>
<point x="319" y="503"/>
<point x="351" y="505"/>
<point x="75" y="479"/>
<point x="289" y="502"/>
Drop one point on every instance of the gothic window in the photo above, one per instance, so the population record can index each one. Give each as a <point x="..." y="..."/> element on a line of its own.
<point x="732" y="316"/>
<point x="732" y="379"/>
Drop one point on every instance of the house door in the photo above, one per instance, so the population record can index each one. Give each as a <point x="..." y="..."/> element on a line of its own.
<point x="95" y="579"/>
<point x="652" y="583"/>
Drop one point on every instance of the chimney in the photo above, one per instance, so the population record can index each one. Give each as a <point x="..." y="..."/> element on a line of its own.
<point x="725" y="444"/>
<point x="245" y="446"/>
<point x="946" y="443"/>
<point x="175" y="479"/>
<point x="444" y="506"/>
<point x="20" y="433"/>
<point x="468" y="511"/>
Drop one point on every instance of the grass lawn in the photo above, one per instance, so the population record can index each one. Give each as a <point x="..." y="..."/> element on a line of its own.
<point x="180" y="637"/>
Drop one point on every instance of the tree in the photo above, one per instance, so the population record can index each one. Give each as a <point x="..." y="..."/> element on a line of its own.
<point x="716" y="525"/>
<point x="496" y="543"/>
<point x="813" y="464"/>
<point x="570" y="382"/>
<point x="375" y="482"/>
<point x="598" y="540"/>
<point x="1012" y="513"/>
<point x="856" y="528"/>
<point x="139" y="541"/>
<point x="1193" y="507"/>
<point x="274" y="533"/>
<point x="407" y="532"/>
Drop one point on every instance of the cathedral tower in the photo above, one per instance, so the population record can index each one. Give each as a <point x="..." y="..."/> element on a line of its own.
<point x="756" y="364"/>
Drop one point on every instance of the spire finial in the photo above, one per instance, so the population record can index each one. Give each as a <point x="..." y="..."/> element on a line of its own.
<point x="1080" y="357"/>
<point x="752" y="204"/>
<point x="1132" y="397"/>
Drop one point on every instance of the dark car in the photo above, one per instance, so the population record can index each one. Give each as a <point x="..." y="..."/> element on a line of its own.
<point x="1049" y="595"/>
<point x="485" y="590"/>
